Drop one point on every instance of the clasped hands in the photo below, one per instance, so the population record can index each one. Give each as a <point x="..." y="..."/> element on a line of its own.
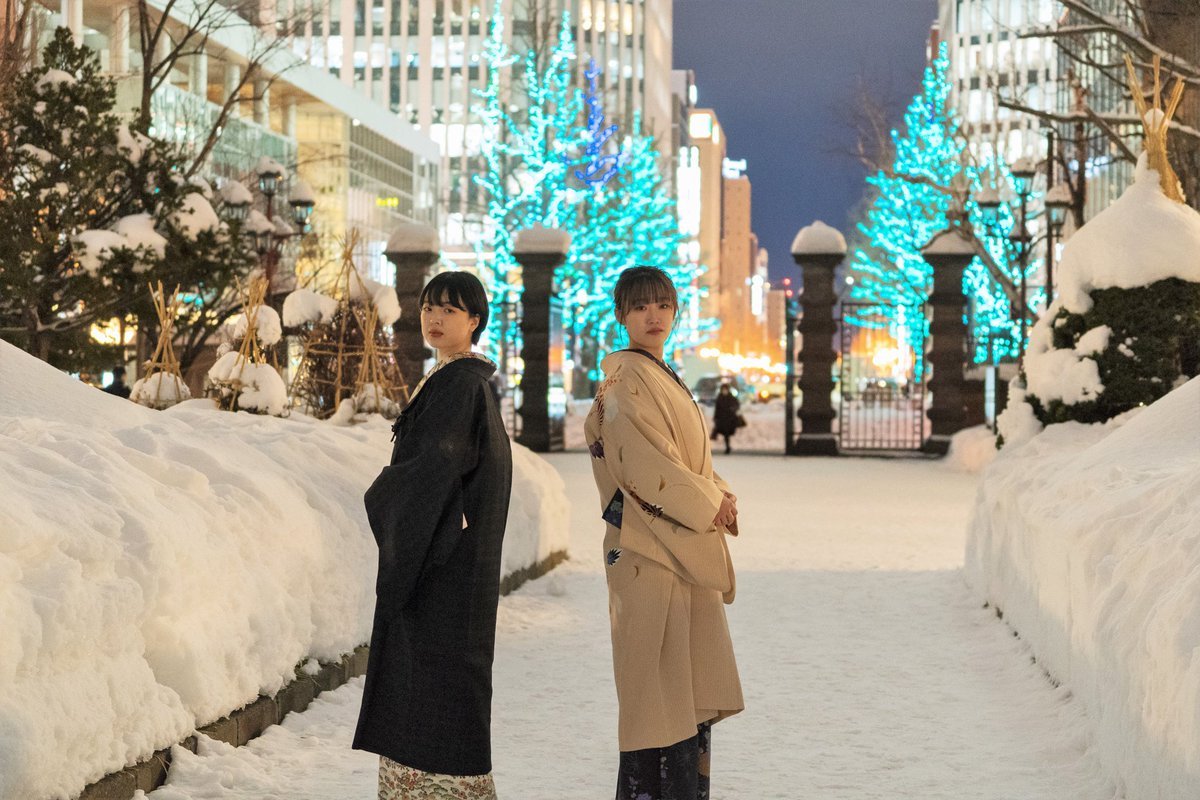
<point x="727" y="513"/>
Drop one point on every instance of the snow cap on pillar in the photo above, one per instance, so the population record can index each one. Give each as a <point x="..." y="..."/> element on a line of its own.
<point x="542" y="240"/>
<point x="952" y="241"/>
<point x="818" y="239"/>
<point x="413" y="237"/>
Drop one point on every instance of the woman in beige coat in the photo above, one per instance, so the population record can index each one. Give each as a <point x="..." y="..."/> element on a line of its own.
<point x="668" y="565"/>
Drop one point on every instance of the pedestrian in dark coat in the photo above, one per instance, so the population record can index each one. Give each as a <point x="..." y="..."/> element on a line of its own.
<point x="438" y="513"/>
<point x="725" y="415"/>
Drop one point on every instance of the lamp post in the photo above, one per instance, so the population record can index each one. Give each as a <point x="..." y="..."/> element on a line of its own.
<point x="1023" y="172"/>
<point x="268" y="233"/>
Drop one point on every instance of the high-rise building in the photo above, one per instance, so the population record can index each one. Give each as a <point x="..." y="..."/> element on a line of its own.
<point x="990" y="56"/>
<point x="423" y="60"/>
<point x="993" y="55"/>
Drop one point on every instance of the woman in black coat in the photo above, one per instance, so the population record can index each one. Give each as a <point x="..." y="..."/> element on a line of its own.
<point x="725" y="415"/>
<point x="438" y="514"/>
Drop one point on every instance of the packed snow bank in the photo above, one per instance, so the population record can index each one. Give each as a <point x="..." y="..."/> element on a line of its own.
<point x="160" y="569"/>
<point x="972" y="449"/>
<point x="1087" y="537"/>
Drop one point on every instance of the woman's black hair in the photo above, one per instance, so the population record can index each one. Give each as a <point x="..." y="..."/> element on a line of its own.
<point x="461" y="290"/>
<point x="641" y="286"/>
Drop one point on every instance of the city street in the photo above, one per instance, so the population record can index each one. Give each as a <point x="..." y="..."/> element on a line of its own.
<point x="869" y="671"/>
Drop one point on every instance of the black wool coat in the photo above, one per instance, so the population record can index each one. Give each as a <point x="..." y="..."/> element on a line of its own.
<point x="438" y="514"/>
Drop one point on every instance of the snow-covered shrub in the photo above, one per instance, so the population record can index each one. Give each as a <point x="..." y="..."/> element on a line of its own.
<point x="1125" y="329"/>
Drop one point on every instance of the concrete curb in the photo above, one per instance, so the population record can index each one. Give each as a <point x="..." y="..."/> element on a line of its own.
<point x="248" y="722"/>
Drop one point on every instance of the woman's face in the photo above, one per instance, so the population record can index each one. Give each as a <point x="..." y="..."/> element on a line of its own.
<point x="649" y="324"/>
<point x="447" y="328"/>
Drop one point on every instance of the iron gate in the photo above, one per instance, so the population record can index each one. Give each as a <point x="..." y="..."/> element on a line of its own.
<point x="881" y="378"/>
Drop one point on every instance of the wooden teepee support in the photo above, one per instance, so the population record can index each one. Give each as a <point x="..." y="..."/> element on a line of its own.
<point x="163" y="360"/>
<point x="1157" y="122"/>
<point x="249" y="352"/>
<point x="345" y="354"/>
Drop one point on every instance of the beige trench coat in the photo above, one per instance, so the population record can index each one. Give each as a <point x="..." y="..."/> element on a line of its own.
<point x="669" y="570"/>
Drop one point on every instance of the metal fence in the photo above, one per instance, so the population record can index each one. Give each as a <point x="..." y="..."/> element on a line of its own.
<point x="880" y="388"/>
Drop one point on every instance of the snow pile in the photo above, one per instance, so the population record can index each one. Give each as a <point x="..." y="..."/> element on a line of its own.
<point x="381" y="296"/>
<point x="304" y="306"/>
<point x="267" y="326"/>
<point x="134" y="232"/>
<point x="195" y="216"/>
<point x="818" y="238"/>
<point x="95" y="246"/>
<point x="259" y="386"/>
<point x="951" y="241"/>
<point x="55" y="78"/>
<point x="1087" y="539"/>
<point x="160" y="569"/>
<point x="235" y="193"/>
<point x="1143" y="237"/>
<point x="373" y="399"/>
<point x="972" y="449"/>
<point x="1070" y="375"/>
<point x="540" y="239"/>
<point x="160" y="390"/>
<point x="414" y="237"/>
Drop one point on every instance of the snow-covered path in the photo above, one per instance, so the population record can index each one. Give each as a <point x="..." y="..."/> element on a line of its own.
<point x="869" y="672"/>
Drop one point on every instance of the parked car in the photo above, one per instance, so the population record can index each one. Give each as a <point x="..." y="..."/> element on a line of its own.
<point x="706" y="387"/>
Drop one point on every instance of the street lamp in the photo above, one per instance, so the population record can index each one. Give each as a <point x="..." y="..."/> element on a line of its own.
<point x="267" y="232"/>
<point x="1021" y="240"/>
<point x="1057" y="201"/>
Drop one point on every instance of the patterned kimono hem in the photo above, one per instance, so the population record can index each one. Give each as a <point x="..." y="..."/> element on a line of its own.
<point x="398" y="782"/>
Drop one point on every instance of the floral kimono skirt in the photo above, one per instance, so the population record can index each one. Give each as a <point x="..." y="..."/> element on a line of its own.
<point x="398" y="782"/>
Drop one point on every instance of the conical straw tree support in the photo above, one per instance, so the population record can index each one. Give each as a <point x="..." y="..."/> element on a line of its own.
<point x="162" y="384"/>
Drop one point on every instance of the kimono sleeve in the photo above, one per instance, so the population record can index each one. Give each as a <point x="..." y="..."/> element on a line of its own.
<point x="419" y="496"/>
<point x="644" y="461"/>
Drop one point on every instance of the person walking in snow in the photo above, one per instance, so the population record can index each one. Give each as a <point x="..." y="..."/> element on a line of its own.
<point x="668" y="566"/>
<point x="726" y="415"/>
<point x="438" y="513"/>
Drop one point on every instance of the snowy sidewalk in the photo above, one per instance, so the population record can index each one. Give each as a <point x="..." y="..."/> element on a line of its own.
<point x="869" y="672"/>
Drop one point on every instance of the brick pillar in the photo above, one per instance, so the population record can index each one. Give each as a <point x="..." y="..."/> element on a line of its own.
<point x="816" y="328"/>
<point x="539" y="251"/>
<point x="413" y="249"/>
<point x="949" y="253"/>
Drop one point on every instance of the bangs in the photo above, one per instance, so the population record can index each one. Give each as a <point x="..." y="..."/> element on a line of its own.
<point x="443" y="293"/>
<point x="644" y="286"/>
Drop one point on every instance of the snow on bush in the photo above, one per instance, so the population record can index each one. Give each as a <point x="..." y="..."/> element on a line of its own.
<point x="1125" y="328"/>
<point x="381" y="296"/>
<point x="259" y="386"/>
<point x="161" y="569"/>
<point x="94" y="246"/>
<point x="160" y="390"/>
<point x="304" y="306"/>
<point x="1087" y="538"/>
<point x="195" y="216"/>
<point x="267" y="326"/>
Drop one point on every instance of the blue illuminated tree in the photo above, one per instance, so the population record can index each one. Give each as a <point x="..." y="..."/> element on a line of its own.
<point x="913" y="201"/>
<point x="555" y="161"/>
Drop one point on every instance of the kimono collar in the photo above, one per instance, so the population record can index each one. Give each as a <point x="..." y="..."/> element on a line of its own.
<point x="477" y="362"/>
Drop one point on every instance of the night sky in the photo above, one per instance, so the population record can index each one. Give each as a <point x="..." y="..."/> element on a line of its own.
<point x="781" y="75"/>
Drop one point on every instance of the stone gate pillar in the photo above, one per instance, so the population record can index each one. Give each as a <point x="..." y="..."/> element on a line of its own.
<point x="817" y="250"/>
<point x="413" y="248"/>
<point x="949" y="253"/>
<point x="540" y="251"/>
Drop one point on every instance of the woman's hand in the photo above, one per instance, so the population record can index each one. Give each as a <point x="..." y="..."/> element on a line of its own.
<point x="727" y="513"/>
